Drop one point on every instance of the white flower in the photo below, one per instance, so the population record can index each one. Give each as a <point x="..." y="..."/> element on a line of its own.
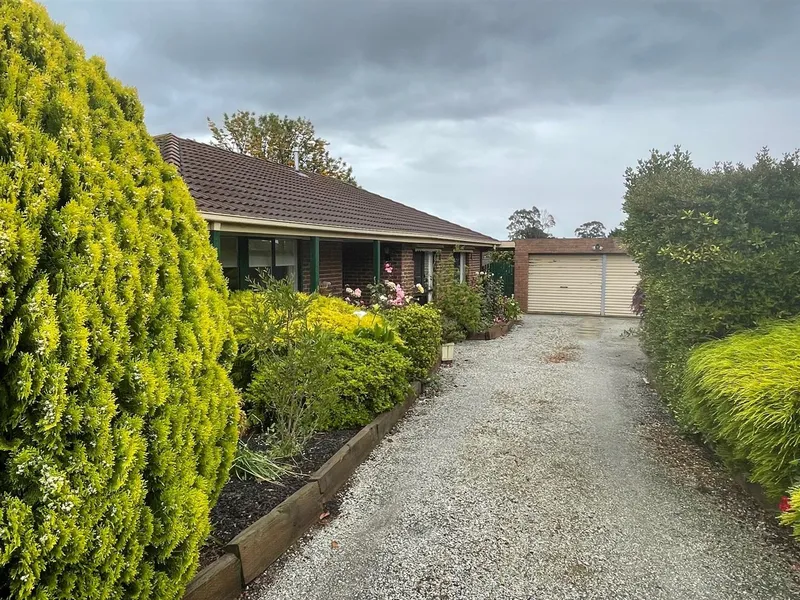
<point x="348" y="290"/>
<point x="383" y="298"/>
<point x="360" y="314"/>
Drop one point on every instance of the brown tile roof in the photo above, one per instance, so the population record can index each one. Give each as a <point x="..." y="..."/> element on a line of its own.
<point x="228" y="183"/>
<point x="570" y="246"/>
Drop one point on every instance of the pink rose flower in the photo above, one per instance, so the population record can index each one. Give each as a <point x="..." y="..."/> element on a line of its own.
<point x="357" y="292"/>
<point x="388" y="268"/>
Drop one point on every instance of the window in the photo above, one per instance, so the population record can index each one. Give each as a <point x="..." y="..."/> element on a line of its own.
<point x="259" y="258"/>
<point x="460" y="261"/>
<point x="423" y="272"/>
<point x="229" y="257"/>
<point x="286" y="260"/>
<point x="244" y="259"/>
<point x="419" y="268"/>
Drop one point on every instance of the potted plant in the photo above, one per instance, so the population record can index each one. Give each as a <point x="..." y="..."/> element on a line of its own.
<point x="451" y="333"/>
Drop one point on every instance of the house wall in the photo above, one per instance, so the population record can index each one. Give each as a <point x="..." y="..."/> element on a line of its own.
<point x="304" y="250"/>
<point x="401" y="257"/>
<point x="349" y="264"/>
<point x="474" y="265"/>
<point x="357" y="268"/>
<point x="330" y="267"/>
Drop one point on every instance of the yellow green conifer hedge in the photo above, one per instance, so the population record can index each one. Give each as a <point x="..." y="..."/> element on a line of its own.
<point x="117" y="414"/>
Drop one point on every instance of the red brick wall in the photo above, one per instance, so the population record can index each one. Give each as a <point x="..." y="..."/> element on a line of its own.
<point x="521" y="260"/>
<point x="304" y="254"/>
<point x="474" y="265"/>
<point x="357" y="268"/>
<point x="401" y="257"/>
<point x="330" y="266"/>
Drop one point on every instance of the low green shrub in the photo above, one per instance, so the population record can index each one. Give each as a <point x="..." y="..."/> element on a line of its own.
<point x="285" y="364"/>
<point x="511" y="308"/>
<point x="743" y="394"/>
<point x="452" y="332"/>
<point x="420" y="327"/>
<point x="791" y="511"/>
<point x="308" y="363"/>
<point x="460" y="305"/>
<point x="370" y="377"/>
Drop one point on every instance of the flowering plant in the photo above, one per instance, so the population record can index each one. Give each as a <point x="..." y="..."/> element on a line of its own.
<point x="382" y="295"/>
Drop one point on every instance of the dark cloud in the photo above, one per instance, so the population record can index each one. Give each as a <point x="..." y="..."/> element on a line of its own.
<point x="469" y="109"/>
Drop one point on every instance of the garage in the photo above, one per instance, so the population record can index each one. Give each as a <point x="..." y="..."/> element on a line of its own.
<point x="565" y="283"/>
<point x="576" y="277"/>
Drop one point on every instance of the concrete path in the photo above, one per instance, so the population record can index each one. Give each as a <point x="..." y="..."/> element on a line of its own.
<point x="544" y="469"/>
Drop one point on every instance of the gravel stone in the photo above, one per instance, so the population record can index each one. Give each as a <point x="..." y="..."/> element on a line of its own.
<point x="545" y="468"/>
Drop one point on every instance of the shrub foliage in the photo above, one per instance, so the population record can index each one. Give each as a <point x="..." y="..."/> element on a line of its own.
<point x="743" y="393"/>
<point x="717" y="251"/>
<point x="309" y="363"/>
<point x="117" y="416"/>
<point x="420" y="328"/>
<point x="371" y="377"/>
<point x="460" y="304"/>
<point x="290" y="360"/>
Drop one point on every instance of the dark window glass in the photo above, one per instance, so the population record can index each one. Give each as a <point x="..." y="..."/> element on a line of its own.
<point x="229" y="257"/>
<point x="419" y="268"/>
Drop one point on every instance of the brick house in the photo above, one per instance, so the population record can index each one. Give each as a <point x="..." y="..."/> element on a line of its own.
<point x="317" y="230"/>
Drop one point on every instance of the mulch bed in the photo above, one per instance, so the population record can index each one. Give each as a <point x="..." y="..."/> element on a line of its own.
<point x="243" y="502"/>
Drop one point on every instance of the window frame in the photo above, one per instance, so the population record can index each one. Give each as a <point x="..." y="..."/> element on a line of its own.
<point x="243" y="258"/>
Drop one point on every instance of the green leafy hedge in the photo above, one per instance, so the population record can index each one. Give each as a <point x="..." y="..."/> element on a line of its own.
<point x="743" y="393"/>
<point x="461" y="307"/>
<point x="117" y="416"/>
<point x="420" y="328"/>
<point x="717" y="250"/>
<point x="367" y="376"/>
<point x="370" y="377"/>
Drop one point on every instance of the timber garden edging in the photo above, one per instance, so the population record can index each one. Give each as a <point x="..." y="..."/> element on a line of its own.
<point x="253" y="550"/>
<point x="495" y="331"/>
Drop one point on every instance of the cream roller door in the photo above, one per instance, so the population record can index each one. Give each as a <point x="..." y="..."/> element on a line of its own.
<point x="565" y="283"/>
<point x="622" y="277"/>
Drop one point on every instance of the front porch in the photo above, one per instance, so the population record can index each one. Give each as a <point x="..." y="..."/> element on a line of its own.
<point x="331" y="265"/>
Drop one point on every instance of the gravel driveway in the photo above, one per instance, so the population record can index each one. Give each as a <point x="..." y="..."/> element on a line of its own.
<point x="544" y="469"/>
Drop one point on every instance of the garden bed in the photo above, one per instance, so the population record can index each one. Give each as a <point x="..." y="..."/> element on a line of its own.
<point x="243" y="502"/>
<point x="495" y="331"/>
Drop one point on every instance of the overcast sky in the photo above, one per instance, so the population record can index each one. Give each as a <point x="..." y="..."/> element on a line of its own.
<point x="470" y="110"/>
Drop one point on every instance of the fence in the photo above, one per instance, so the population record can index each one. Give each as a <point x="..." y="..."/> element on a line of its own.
<point x="505" y="272"/>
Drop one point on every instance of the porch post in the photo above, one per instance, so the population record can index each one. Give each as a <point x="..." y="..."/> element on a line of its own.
<point x="376" y="260"/>
<point x="314" y="264"/>
<point x="216" y="241"/>
<point x="216" y="236"/>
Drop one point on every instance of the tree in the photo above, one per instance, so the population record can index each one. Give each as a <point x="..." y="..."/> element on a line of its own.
<point x="118" y="420"/>
<point x="617" y="232"/>
<point x="591" y="229"/>
<point x="525" y="224"/>
<point x="275" y="138"/>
